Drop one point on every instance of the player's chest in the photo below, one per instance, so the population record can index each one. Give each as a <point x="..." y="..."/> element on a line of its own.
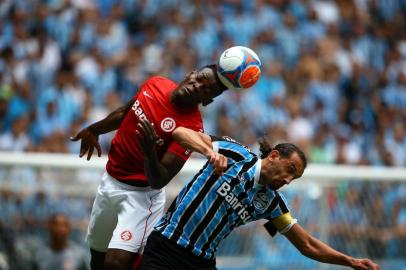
<point x="261" y="202"/>
<point x="163" y="119"/>
<point x="247" y="205"/>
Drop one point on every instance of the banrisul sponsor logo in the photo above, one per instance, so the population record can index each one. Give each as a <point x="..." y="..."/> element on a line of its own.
<point x="225" y="191"/>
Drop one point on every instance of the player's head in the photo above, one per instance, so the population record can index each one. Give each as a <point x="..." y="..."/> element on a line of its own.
<point x="281" y="164"/>
<point x="59" y="227"/>
<point x="199" y="86"/>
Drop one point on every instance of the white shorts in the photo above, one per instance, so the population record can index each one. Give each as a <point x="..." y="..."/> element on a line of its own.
<point x="123" y="216"/>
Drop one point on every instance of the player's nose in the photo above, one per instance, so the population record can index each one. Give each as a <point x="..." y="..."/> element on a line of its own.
<point x="287" y="180"/>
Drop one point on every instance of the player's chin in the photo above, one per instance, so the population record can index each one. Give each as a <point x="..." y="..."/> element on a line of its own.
<point x="275" y="187"/>
<point x="206" y="101"/>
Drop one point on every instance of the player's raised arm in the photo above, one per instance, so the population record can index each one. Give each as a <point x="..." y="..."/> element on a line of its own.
<point x="315" y="249"/>
<point x="89" y="136"/>
<point x="201" y="143"/>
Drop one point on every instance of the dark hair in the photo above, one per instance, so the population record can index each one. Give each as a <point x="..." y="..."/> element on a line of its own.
<point x="214" y="68"/>
<point x="285" y="150"/>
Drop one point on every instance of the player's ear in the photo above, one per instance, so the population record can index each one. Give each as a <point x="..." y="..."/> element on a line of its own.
<point x="274" y="154"/>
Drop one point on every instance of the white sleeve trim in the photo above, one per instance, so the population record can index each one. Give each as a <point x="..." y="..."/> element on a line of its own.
<point x="257" y="171"/>
<point x="287" y="228"/>
<point x="215" y="146"/>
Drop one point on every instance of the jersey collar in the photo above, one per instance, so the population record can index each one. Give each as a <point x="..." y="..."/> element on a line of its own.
<point x="257" y="171"/>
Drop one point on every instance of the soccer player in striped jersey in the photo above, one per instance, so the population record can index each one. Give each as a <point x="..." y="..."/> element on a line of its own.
<point x="212" y="204"/>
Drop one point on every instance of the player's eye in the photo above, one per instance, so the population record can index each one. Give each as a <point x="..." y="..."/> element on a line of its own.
<point x="202" y="77"/>
<point x="291" y="169"/>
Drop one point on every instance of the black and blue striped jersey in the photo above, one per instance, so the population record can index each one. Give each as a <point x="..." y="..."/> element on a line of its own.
<point x="209" y="207"/>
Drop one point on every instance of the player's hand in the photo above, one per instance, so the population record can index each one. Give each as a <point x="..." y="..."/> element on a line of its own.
<point x="364" y="264"/>
<point x="147" y="136"/>
<point x="89" y="141"/>
<point x="218" y="161"/>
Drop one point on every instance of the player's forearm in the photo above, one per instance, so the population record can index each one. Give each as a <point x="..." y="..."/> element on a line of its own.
<point x="157" y="174"/>
<point x="106" y="125"/>
<point x="112" y="121"/>
<point x="321" y="252"/>
<point x="193" y="141"/>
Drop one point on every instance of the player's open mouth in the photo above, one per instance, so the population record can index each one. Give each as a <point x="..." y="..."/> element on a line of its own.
<point x="187" y="91"/>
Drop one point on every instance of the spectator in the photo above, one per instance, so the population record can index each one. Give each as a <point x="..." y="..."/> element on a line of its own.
<point x="17" y="139"/>
<point x="59" y="252"/>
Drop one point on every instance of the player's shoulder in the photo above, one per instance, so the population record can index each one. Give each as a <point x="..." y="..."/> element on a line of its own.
<point x="159" y="80"/>
<point x="227" y="139"/>
<point x="228" y="142"/>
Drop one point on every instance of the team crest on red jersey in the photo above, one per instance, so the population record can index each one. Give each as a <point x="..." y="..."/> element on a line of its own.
<point x="126" y="236"/>
<point x="168" y="124"/>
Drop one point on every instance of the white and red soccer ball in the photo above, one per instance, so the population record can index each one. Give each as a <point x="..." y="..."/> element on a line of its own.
<point x="239" y="67"/>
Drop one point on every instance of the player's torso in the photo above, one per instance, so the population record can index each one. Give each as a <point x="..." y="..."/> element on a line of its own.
<point x="153" y="105"/>
<point x="152" y="102"/>
<point x="235" y="194"/>
<point x="246" y="205"/>
<point x="243" y="197"/>
<point x="209" y="208"/>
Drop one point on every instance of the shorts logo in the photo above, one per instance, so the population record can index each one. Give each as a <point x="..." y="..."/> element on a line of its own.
<point x="168" y="124"/>
<point x="126" y="236"/>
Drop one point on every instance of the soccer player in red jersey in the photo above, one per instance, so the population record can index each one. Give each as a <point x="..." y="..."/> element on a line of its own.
<point x="129" y="203"/>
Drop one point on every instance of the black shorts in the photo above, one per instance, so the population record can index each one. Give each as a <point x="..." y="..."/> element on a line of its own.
<point x="160" y="253"/>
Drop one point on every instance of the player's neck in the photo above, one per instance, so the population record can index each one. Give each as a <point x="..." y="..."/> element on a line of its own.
<point x="265" y="172"/>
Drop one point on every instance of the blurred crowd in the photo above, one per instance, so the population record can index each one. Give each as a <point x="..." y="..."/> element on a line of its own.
<point x="361" y="219"/>
<point x="333" y="81"/>
<point x="366" y="219"/>
<point x="333" y="77"/>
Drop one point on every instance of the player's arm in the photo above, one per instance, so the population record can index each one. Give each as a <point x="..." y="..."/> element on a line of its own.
<point x="193" y="140"/>
<point x="158" y="172"/>
<point x="89" y="136"/>
<point x="315" y="249"/>
<point x="200" y="143"/>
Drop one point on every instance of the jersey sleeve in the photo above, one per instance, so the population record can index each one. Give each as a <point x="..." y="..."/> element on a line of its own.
<point x="215" y="143"/>
<point x="230" y="148"/>
<point x="280" y="218"/>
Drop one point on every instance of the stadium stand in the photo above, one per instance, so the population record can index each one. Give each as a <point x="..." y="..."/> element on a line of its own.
<point x="334" y="82"/>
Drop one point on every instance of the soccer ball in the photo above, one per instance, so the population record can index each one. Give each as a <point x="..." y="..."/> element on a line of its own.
<point x="239" y="67"/>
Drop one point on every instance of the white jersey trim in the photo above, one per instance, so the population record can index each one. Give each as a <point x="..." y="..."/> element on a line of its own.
<point x="287" y="228"/>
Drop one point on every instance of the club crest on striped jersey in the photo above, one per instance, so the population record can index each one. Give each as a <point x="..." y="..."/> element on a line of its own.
<point x="168" y="124"/>
<point x="261" y="201"/>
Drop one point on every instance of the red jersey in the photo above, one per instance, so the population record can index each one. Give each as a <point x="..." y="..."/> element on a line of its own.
<point x="152" y="101"/>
